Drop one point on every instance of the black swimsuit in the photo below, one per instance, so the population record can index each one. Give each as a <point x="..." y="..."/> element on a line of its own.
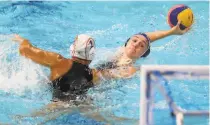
<point x="75" y="83"/>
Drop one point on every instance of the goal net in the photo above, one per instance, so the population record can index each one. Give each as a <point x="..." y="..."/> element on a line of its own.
<point x="154" y="77"/>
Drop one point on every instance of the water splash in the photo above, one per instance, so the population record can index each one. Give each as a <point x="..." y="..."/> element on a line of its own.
<point x="18" y="74"/>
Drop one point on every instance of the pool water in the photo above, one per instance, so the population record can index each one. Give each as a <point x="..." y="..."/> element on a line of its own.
<point x="53" y="26"/>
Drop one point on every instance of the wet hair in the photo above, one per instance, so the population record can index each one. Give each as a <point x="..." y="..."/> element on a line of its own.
<point x="148" y="39"/>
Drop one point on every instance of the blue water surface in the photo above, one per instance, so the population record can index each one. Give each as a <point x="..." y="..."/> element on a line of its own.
<point x="54" y="25"/>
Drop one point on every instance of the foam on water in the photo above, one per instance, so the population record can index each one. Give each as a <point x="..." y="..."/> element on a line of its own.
<point x="53" y="26"/>
<point x="18" y="74"/>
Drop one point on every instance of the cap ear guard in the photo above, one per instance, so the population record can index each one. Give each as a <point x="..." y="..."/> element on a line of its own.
<point x="127" y="41"/>
<point x="91" y="53"/>
<point x="146" y="53"/>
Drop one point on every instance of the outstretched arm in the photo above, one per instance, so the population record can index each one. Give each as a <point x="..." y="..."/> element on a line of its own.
<point x="162" y="34"/>
<point x="35" y="54"/>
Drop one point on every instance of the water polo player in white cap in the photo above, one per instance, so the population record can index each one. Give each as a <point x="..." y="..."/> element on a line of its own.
<point x="70" y="78"/>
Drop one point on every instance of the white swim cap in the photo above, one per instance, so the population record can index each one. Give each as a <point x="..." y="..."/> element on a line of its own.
<point x="83" y="47"/>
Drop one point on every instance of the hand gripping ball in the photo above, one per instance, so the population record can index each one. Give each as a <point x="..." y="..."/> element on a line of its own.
<point x="180" y="12"/>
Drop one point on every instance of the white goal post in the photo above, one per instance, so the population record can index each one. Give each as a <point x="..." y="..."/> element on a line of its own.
<point x="176" y="72"/>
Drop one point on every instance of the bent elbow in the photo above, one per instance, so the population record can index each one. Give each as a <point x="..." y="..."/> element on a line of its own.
<point x="22" y="50"/>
